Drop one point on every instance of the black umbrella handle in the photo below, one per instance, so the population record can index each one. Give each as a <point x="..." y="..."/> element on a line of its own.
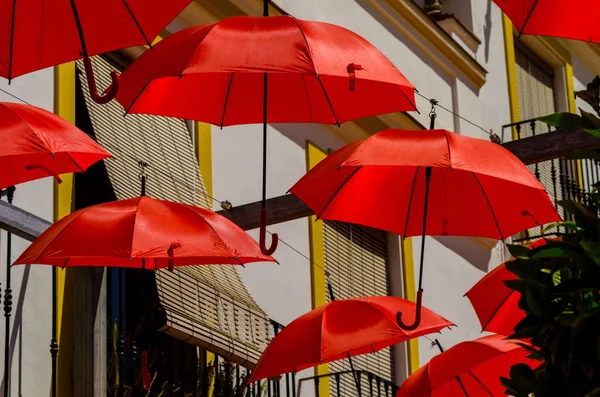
<point x="263" y="235"/>
<point x="417" y="321"/>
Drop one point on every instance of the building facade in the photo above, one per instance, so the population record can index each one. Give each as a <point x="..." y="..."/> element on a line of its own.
<point x="464" y="54"/>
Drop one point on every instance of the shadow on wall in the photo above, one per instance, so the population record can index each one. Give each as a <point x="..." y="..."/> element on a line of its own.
<point x="17" y="332"/>
<point x="476" y="253"/>
<point x="319" y="134"/>
<point x="487" y="30"/>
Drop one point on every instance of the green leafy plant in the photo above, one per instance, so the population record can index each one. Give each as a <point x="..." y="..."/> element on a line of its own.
<point x="559" y="286"/>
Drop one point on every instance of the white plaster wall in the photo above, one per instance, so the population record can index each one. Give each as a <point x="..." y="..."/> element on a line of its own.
<point x="32" y="291"/>
<point x="453" y="265"/>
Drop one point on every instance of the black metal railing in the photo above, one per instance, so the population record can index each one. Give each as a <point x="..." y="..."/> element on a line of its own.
<point x="342" y="384"/>
<point x="564" y="179"/>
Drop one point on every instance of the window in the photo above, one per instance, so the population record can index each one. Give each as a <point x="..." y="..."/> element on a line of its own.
<point x="356" y="258"/>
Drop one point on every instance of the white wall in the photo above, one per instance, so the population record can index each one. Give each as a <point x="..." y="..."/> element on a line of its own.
<point x="32" y="290"/>
<point x="453" y="265"/>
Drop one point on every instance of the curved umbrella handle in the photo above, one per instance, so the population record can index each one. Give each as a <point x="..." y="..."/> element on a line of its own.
<point x="263" y="235"/>
<point x="417" y="322"/>
<point x="111" y="90"/>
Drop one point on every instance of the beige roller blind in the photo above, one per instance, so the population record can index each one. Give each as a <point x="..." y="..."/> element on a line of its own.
<point x="206" y="305"/>
<point x="356" y="259"/>
<point x="535" y="87"/>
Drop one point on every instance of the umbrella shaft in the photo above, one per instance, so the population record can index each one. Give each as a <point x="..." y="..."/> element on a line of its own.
<point x="265" y="8"/>
<point x="355" y="375"/>
<point x="264" y="170"/>
<point x="427" y="180"/>
<point x="53" y="341"/>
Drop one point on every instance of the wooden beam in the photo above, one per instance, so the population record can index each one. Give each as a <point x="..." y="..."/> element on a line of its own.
<point x="279" y="209"/>
<point x="551" y="145"/>
<point x="20" y="222"/>
<point x="288" y="207"/>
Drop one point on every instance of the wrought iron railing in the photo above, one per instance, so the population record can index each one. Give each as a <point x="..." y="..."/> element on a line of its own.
<point x="564" y="179"/>
<point x="342" y="384"/>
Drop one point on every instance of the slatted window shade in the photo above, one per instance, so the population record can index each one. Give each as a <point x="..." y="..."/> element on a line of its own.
<point x="356" y="259"/>
<point x="208" y="305"/>
<point x="535" y="88"/>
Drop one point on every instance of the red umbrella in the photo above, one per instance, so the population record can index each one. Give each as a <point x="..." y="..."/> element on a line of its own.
<point x="382" y="181"/>
<point x="37" y="144"/>
<point x="265" y="70"/>
<point x="39" y="34"/>
<point x="496" y="305"/>
<point x="573" y="19"/>
<point x="340" y="329"/>
<point x="143" y="233"/>
<point x="472" y="369"/>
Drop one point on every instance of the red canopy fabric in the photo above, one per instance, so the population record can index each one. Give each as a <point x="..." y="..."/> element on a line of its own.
<point x="37" y="144"/>
<point x="478" y="364"/>
<point x="572" y="19"/>
<point x="496" y="305"/>
<point x="332" y="331"/>
<point x="45" y="32"/>
<point x="477" y="187"/>
<point x="317" y="73"/>
<point x="143" y="233"/>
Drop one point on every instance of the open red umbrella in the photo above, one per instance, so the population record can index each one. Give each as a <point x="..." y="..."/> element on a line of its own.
<point x="340" y="329"/>
<point x="38" y="34"/>
<point x="386" y="180"/>
<point x="265" y="70"/>
<point x="142" y="233"/>
<point x="573" y="19"/>
<point x="37" y="144"/>
<point x="496" y="305"/>
<point x="471" y="369"/>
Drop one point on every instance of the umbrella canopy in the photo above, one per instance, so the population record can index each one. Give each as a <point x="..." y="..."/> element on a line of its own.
<point x="496" y="305"/>
<point x="573" y="19"/>
<point x="143" y="233"/>
<point x="381" y="183"/>
<point x="38" y="34"/>
<point x="470" y="369"/>
<point x="265" y="70"/>
<point x="37" y="144"/>
<point x="317" y="73"/>
<point x="340" y="329"/>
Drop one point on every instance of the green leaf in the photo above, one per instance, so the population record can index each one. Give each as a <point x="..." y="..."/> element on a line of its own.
<point x="510" y="386"/>
<point x="566" y="121"/>
<point x="593" y="249"/>
<point x="525" y="333"/>
<point x="523" y="376"/>
<point x="590" y="123"/>
<point x="515" y="285"/>
<point x="556" y="277"/>
<point x="582" y="154"/>
<point x="566" y="225"/>
<point x="594" y="393"/>
<point x="535" y="301"/>
<point x="577" y="209"/>
<point x="520" y="267"/>
<point x="517" y="250"/>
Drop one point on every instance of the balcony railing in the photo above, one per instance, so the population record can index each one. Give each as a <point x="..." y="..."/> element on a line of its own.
<point x="564" y="179"/>
<point x="342" y="384"/>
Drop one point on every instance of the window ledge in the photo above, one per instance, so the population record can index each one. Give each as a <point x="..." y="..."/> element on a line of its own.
<point x="455" y="28"/>
<point x="425" y="33"/>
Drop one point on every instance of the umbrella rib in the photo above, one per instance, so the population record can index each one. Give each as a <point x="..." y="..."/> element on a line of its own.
<point x="218" y="236"/>
<point x="58" y="234"/>
<point x="409" y="101"/>
<point x="137" y="97"/>
<point x="489" y="205"/>
<point x="327" y="97"/>
<point x="75" y="162"/>
<point x="12" y="40"/>
<point x="528" y="17"/>
<point x="337" y="191"/>
<point x="497" y="310"/>
<point x="137" y="23"/>
<point x="412" y="190"/>
<point x="480" y="383"/>
<point x="226" y="99"/>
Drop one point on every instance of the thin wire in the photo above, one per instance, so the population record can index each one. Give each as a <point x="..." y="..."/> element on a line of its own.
<point x="455" y="114"/>
<point x="15" y="97"/>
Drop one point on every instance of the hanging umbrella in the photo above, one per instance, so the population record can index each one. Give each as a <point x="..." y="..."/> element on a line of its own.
<point x="39" y="34"/>
<point x="386" y="180"/>
<point x="36" y="144"/>
<point x="573" y="19"/>
<point x="341" y="329"/>
<point x="140" y="233"/>
<point x="471" y="369"/>
<point x="265" y="70"/>
<point x="496" y="305"/>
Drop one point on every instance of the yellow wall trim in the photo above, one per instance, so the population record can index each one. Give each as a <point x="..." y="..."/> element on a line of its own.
<point x="511" y="72"/>
<point x="408" y="275"/>
<point x="442" y="50"/>
<point x="64" y="106"/>
<point x="317" y="259"/>
<point x="203" y="150"/>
